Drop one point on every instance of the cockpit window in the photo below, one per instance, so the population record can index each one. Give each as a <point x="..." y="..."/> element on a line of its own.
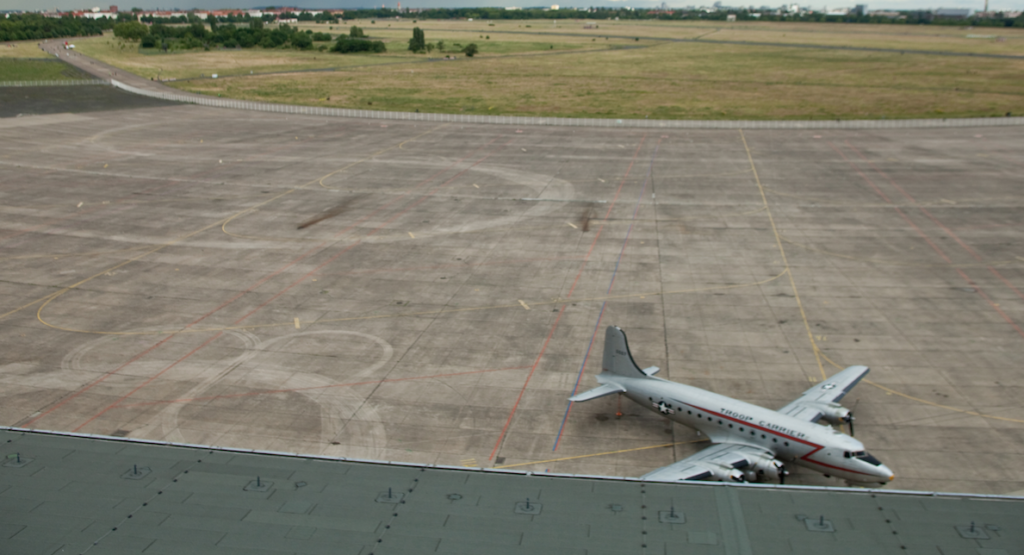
<point x="866" y="457"/>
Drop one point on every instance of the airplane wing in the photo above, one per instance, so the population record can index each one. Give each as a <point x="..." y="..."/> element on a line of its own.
<point x="816" y="401"/>
<point x="718" y="462"/>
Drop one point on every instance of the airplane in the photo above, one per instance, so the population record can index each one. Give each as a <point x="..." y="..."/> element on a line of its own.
<point x="750" y="443"/>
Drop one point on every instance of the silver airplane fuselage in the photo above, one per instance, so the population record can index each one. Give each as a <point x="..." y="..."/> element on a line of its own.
<point x="726" y="420"/>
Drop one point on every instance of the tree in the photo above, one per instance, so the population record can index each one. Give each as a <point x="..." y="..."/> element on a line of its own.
<point x="345" y="45"/>
<point x="470" y="50"/>
<point x="418" y="42"/>
<point x="131" y="30"/>
<point x="356" y="32"/>
<point x="302" y="41"/>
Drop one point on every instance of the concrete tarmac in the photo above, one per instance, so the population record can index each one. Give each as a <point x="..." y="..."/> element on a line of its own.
<point x="433" y="293"/>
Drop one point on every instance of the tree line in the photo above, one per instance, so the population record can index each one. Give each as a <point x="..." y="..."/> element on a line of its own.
<point x="196" y="35"/>
<point x="909" y="17"/>
<point x="33" y="26"/>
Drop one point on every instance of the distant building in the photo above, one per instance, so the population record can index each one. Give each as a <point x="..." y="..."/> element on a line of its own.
<point x="859" y="10"/>
<point x="884" y="13"/>
<point x="953" y="13"/>
<point x="95" y="13"/>
<point x="998" y="15"/>
<point x="730" y="17"/>
<point x="113" y="9"/>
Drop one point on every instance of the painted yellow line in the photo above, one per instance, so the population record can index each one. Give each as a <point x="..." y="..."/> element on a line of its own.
<point x="527" y="307"/>
<point x="411" y="235"/>
<point x="785" y="261"/>
<point x="298" y="325"/>
<point x="555" y="301"/>
<point x="891" y="391"/>
<point x="475" y="185"/>
<point x="24" y="306"/>
<point x="571" y="225"/>
<point x="49" y="298"/>
<point x="620" y="451"/>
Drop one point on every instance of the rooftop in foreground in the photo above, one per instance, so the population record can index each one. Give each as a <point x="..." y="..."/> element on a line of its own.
<point x="66" y="493"/>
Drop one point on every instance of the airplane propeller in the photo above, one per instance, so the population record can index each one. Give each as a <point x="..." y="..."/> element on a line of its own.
<point x="849" y="416"/>
<point x="849" y="420"/>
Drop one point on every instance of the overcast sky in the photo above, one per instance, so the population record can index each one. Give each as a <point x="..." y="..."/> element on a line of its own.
<point x="347" y="4"/>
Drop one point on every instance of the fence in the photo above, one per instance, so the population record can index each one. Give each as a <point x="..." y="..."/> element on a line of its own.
<point x="57" y="83"/>
<point x="571" y="122"/>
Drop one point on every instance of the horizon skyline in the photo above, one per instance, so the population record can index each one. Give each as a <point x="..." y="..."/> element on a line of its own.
<point x="74" y="5"/>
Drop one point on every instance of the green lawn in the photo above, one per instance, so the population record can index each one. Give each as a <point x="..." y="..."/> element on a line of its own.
<point x="22" y="49"/>
<point x="668" y="81"/>
<point x="15" y="69"/>
<point x="540" y="69"/>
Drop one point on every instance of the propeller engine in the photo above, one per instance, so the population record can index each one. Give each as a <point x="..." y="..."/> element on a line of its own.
<point x="836" y="414"/>
<point x="766" y="468"/>
<point x="730" y="475"/>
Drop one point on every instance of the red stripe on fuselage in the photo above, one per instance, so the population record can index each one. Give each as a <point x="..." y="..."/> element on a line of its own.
<point x="776" y="432"/>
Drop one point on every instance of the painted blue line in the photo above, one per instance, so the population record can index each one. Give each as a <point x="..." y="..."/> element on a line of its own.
<point x="611" y="283"/>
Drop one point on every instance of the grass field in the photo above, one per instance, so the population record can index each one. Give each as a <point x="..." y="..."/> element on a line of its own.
<point x="22" y="49"/>
<point x="911" y="37"/>
<point x="37" y="69"/>
<point x="625" y="70"/>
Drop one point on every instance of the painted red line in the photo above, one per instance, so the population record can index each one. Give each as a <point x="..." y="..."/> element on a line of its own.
<point x="1008" y="284"/>
<point x="887" y="199"/>
<point x="147" y="381"/>
<point x="934" y="246"/>
<point x="159" y="343"/>
<point x="309" y="252"/>
<point x="607" y="213"/>
<point x="95" y="382"/>
<point x="935" y="220"/>
<point x="296" y="282"/>
<point x="512" y="413"/>
<point x="315" y="387"/>
<point x="519" y="398"/>
<point x="600" y="316"/>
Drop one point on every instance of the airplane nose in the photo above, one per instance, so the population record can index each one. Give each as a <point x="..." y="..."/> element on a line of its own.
<point x="884" y="471"/>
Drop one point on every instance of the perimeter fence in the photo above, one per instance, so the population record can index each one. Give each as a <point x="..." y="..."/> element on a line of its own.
<point x="569" y="122"/>
<point x="54" y="83"/>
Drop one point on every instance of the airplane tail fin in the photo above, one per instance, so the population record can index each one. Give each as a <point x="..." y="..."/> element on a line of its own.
<point x="617" y="358"/>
